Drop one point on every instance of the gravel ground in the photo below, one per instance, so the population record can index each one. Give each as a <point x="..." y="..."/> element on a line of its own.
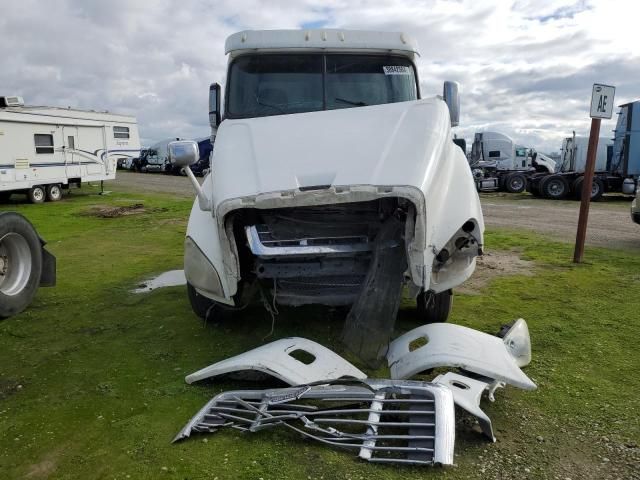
<point x="609" y="222"/>
<point x="609" y="225"/>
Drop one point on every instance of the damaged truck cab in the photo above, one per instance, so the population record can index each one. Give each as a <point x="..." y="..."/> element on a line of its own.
<point x="324" y="140"/>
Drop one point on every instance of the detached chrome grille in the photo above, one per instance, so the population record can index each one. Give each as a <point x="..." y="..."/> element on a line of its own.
<point x="263" y="243"/>
<point x="384" y="420"/>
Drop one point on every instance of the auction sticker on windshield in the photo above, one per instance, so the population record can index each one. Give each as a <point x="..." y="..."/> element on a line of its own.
<point x="396" y="70"/>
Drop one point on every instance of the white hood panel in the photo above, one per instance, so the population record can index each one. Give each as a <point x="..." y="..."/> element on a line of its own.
<point x="393" y="144"/>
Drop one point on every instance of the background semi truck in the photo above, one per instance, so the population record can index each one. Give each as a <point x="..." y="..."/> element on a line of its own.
<point x="25" y="264"/>
<point x="617" y="164"/>
<point x="155" y="158"/>
<point x="328" y="162"/>
<point x="497" y="163"/>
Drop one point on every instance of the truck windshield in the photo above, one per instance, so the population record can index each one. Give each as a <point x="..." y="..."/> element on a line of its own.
<point x="261" y="85"/>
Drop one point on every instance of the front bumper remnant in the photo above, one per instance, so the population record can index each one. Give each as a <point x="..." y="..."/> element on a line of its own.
<point x="386" y="421"/>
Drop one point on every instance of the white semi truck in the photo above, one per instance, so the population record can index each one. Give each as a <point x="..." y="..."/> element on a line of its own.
<point x="617" y="166"/>
<point x="44" y="150"/>
<point x="498" y="163"/>
<point x="333" y="181"/>
<point x="155" y="158"/>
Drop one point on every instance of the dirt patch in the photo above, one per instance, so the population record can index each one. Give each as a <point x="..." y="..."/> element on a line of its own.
<point x="45" y="467"/>
<point x="108" y="211"/>
<point x="493" y="265"/>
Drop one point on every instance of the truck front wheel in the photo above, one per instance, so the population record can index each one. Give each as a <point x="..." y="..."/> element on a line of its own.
<point x="434" y="307"/>
<point x="204" y="307"/>
<point x="20" y="263"/>
<point x="515" y="183"/>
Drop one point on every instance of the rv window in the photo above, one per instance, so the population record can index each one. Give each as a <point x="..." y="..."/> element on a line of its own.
<point x="494" y="154"/>
<point x="43" y="142"/>
<point x="120" y="132"/>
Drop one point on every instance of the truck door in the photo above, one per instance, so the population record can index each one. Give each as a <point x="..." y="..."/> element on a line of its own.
<point x="72" y="156"/>
<point x="521" y="158"/>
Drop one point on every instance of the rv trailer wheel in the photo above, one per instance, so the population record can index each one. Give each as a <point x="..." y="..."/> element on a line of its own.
<point x="20" y="263"/>
<point x="54" y="193"/>
<point x="36" y="194"/>
<point x="434" y="307"/>
<point x="5" y="196"/>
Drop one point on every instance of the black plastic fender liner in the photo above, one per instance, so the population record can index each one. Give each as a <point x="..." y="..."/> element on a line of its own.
<point x="48" y="275"/>
<point x="369" y="324"/>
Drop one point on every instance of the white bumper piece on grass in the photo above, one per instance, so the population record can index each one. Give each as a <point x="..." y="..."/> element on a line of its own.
<point x="423" y="409"/>
<point x="278" y="359"/>
<point x="451" y="345"/>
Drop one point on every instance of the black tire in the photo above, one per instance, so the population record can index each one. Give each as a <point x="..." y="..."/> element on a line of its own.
<point x="597" y="189"/>
<point x="434" y="307"/>
<point x="596" y="193"/>
<point x="19" y="244"/>
<point x="36" y="194"/>
<point x="206" y="308"/>
<point x="515" y="183"/>
<point x="535" y="190"/>
<point x="54" y="193"/>
<point x="554" y="187"/>
<point x="5" y="196"/>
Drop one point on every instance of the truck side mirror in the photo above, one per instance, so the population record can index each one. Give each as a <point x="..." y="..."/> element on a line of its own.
<point x="214" y="105"/>
<point x="452" y="99"/>
<point x="183" y="153"/>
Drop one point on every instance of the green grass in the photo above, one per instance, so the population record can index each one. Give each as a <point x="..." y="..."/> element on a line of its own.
<point x="92" y="376"/>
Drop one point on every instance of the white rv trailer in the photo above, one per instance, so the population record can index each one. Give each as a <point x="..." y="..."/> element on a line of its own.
<point x="46" y="149"/>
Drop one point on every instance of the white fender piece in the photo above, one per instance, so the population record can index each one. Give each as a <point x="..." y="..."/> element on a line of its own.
<point x="449" y="345"/>
<point x="467" y="393"/>
<point x="276" y="359"/>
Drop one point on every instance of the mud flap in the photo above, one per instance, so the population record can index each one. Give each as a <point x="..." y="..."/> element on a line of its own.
<point x="48" y="275"/>
<point x="369" y="324"/>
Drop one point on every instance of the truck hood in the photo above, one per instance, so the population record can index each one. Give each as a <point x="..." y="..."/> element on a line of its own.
<point x="400" y="144"/>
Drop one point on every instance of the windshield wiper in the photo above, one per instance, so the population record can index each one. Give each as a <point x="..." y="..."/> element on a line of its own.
<point x="275" y="107"/>
<point x="351" y="102"/>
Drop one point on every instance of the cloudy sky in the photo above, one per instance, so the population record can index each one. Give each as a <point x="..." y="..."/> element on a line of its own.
<point x="526" y="67"/>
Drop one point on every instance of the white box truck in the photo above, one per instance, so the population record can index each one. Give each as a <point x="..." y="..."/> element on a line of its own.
<point x="333" y="181"/>
<point x="44" y="150"/>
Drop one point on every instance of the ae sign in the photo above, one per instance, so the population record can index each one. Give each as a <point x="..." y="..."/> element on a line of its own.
<point x="602" y="101"/>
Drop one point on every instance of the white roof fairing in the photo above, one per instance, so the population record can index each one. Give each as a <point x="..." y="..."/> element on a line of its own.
<point x="322" y="39"/>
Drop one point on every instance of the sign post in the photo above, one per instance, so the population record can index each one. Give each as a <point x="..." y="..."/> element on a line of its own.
<point x="601" y="107"/>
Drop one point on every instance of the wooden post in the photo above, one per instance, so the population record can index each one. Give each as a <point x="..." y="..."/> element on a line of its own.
<point x="586" y="190"/>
